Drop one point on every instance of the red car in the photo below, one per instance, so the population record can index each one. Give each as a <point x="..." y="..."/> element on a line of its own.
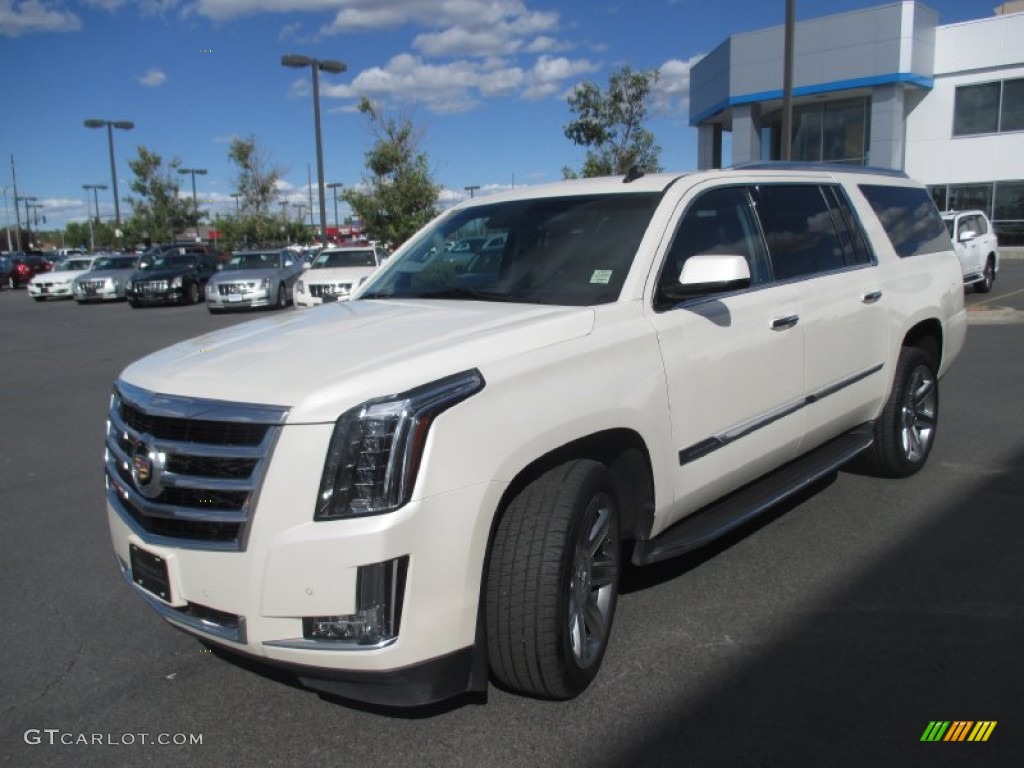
<point x="25" y="266"/>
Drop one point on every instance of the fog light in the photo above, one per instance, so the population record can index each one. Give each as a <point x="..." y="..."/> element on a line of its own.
<point x="379" y="591"/>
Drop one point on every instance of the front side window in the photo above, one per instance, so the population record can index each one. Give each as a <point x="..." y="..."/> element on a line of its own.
<point x="799" y="230"/>
<point x="909" y="217"/>
<point x="720" y="221"/>
<point x="572" y="251"/>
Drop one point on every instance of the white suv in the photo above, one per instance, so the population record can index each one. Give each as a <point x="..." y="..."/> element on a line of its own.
<point x="976" y="246"/>
<point x="450" y="488"/>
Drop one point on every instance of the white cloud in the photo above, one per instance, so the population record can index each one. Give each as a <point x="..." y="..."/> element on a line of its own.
<point x="153" y="78"/>
<point x="456" y="86"/>
<point x="29" y="16"/>
<point x="672" y="91"/>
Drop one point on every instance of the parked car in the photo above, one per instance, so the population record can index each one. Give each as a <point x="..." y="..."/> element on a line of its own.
<point x="254" y="279"/>
<point x="335" y="273"/>
<point x="107" y="280"/>
<point x="25" y="266"/>
<point x="171" y="278"/>
<point x="56" y="283"/>
<point x="976" y="246"/>
<point x="390" y="497"/>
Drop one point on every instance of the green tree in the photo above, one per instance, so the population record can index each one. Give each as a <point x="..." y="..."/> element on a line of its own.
<point x="257" y="178"/>
<point x="610" y="125"/>
<point x="158" y="212"/>
<point x="398" y="195"/>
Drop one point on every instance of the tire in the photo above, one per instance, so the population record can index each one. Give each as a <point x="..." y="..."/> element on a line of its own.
<point x="905" y="432"/>
<point x="282" y="297"/>
<point x="989" y="278"/>
<point x="39" y="298"/>
<point x="133" y="303"/>
<point x="552" y="582"/>
<point x="192" y="293"/>
<point x="12" y="283"/>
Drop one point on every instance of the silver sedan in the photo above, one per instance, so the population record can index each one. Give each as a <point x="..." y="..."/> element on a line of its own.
<point x="254" y="279"/>
<point x="106" y="280"/>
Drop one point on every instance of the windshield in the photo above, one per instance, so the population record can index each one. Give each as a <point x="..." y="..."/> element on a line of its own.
<point x="73" y="265"/>
<point x="107" y="263"/>
<point x="573" y="251"/>
<point x="346" y="258"/>
<point x="269" y="260"/>
<point x="172" y="261"/>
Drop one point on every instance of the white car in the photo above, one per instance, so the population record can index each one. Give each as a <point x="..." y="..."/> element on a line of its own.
<point x="976" y="246"/>
<point x="439" y="481"/>
<point x="57" y="283"/>
<point x="335" y="273"/>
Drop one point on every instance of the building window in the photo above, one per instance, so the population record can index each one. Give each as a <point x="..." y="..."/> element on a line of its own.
<point x="1008" y="213"/>
<point x="830" y="132"/>
<point x="962" y="197"/>
<point x="989" y="108"/>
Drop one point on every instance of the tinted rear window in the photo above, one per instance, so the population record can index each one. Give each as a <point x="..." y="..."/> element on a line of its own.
<point x="909" y="217"/>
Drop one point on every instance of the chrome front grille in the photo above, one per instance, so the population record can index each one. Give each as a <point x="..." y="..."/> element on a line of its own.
<point x="151" y="286"/>
<point x="330" y="291"/>
<point x="227" y="289"/>
<point x="187" y="472"/>
<point x="91" y="285"/>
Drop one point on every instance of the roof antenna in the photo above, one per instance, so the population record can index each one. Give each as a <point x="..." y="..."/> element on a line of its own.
<point x="632" y="174"/>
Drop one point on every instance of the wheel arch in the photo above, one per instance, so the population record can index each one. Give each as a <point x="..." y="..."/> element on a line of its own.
<point x="928" y="337"/>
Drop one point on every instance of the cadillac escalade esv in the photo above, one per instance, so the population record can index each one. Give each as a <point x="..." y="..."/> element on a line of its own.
<point x="438" y="482"/>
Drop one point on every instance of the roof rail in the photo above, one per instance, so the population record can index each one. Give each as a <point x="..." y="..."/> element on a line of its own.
<point x="778" y="165"/>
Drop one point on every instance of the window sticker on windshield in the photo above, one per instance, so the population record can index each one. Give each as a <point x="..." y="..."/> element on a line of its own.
<point x="601" y="276"/>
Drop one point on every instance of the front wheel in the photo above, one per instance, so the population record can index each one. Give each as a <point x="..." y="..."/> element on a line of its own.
<point x="905" y="432"/>
<point x="192" y="293"/>
<point x="282" y="297"/>
<point x="553" y="580"/>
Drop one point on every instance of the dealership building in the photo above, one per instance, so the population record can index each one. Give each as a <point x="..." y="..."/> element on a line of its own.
<point x="886" y="86"/>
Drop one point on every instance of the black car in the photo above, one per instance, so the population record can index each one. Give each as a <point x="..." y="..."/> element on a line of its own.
<point x="171" y="278"/>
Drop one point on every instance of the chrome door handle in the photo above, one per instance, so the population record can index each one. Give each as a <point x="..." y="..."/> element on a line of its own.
<point x="872" y="297"/>
<point x="782" y="323"/>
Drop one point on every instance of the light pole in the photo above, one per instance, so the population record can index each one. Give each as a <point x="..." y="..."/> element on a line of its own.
<point x="35" y="214"/>
<point x="334" y="67"/>
<point x="7" y="221"/>
<point x="195" y="201"/>
<point x="96" y="196"/>
<point x="124" y="125"/>
<point x="236" y="195"/>
<point x="471" y="189"/>
<point x="334" y="193"/>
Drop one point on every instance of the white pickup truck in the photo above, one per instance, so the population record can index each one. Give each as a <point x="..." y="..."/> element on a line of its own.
<point x="401" y="496"/>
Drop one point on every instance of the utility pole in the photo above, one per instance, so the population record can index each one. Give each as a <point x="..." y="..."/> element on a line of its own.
<point x="17" y="217"/>
<point x="787" y="83"/>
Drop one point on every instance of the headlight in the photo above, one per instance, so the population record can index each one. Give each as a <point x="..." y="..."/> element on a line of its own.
<point x="302" y="288"/>
<point x="376" y="448"/>
<point x="114" y="284"/>
<point x="176" y="282"/>
<point x="265" y="283"/>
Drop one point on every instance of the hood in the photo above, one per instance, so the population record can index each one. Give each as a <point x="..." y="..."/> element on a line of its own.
<point x="59" y="275"/>
<point x="244" y="275"/>
<point x="323" y="361"/>
<point x="337" y="274"/>
<point x="104" y="274"/>
<point x="162" y="274"/>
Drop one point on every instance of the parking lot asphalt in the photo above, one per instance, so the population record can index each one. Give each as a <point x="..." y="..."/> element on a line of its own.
<point x="830" y="632"/>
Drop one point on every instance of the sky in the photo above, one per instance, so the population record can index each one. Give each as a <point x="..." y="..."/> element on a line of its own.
<point x="484" y="81"/>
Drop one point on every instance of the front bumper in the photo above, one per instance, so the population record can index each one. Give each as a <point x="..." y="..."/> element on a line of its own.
<point x="253" y="601"/>
<point x="237" y="300"/>
<point x="49" y="291"/>
<point x="172" y="296"/>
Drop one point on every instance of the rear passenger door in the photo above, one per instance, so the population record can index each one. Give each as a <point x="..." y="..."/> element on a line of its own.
<point x="734" y="361"/>
<point x="816" y="246"/>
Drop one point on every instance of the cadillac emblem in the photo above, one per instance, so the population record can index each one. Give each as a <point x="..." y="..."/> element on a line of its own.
<point x="147" y="468"/>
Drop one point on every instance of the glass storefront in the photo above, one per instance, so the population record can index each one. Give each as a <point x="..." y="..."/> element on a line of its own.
<point x="1002" y="202"/>
<point x="830" y="132"/>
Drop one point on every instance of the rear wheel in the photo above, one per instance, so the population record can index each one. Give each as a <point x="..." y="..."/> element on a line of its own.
<point x="282" y="297"/>
<point x="988" y="277"/>
<point x="552" y="582"/>
<point x="133" y="303"/>
<point x="905" y="432"/>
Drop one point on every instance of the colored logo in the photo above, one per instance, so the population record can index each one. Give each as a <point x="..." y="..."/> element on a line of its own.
<point x="147" y="468"/>
<point x="958" y="730"/>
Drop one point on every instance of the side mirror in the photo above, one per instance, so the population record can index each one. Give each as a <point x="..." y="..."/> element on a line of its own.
<point x="709" y="273"/>
<point x="967" y="234"/>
